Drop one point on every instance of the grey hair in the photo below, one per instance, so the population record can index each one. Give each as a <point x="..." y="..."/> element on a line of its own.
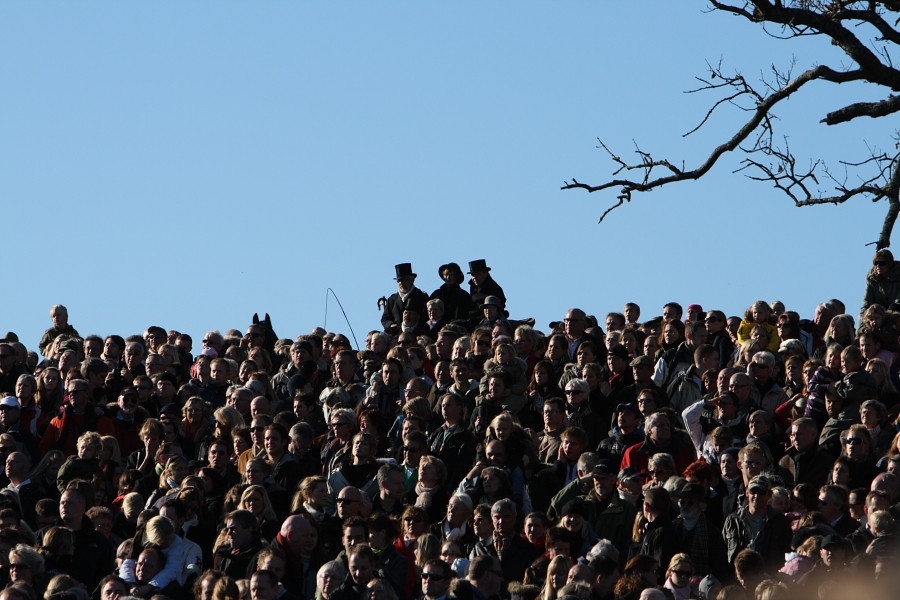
<point x="504" y="504"/>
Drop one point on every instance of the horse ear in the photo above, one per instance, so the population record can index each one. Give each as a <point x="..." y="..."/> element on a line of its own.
<point x="268" y="321"/>
<point x="255" y="319"/>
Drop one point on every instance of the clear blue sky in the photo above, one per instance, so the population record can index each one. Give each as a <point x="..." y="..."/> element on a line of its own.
<point x="189" y="164"/>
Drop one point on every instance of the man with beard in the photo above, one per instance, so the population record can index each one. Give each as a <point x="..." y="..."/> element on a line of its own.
<point x="407" y="296"/>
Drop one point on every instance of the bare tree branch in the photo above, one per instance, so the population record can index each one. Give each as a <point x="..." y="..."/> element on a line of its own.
<point x="866" y="32"/>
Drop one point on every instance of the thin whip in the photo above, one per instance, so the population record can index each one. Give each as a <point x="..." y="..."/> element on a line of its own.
<point x="338" y="300"/>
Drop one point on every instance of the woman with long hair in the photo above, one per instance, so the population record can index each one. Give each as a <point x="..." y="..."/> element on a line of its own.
<point x="48" y="397"/>
<point x="255" y="499"/>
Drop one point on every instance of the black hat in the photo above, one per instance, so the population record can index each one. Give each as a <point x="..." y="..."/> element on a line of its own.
<point x="574" y="507"/>
<point x="692" y="491"/>
<point x="620" y="351"/>
<point x="453" y="267"/>
<point x="478" y="265"/>
<point x="605" y="466"/>
<point x="628" y="406"/>
<point x="834" y="540"/>
<point x="170" y="409"/>
<point x="404" y="270"/>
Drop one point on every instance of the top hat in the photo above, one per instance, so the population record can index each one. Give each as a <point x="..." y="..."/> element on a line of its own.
<point x="404" y="270"/>
<point x="478" y="265"/>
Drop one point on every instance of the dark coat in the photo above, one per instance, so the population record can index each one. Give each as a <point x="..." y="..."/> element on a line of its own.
<point x="514" y="559"/>
<point x="479" y="292"/>
<point x="457" y="450"/>
<point x="773" y="541"/>
<point x="392" y="317"/>
<point x="812" y="467"/>
<point x="458" y="304"/>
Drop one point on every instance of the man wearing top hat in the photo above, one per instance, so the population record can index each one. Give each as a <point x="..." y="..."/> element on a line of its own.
<point x="482" y="284"/>
<point x="407" y="297"/>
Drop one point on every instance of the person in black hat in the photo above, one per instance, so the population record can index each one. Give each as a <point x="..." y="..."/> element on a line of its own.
<point x="606" y="511"/>
<point x="458" y="305"/>
<point x="407" y="297"/>
<point x="620" y="377"/>
<point x="699" y="537"/>
<point x="834" y="557"/>
<point x="482" y="285"/>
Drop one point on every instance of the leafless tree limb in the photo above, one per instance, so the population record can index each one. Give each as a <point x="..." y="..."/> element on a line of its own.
<point x="866" y="31"/>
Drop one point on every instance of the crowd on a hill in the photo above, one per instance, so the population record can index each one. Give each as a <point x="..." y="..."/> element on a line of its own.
<point x="462" y="454"/>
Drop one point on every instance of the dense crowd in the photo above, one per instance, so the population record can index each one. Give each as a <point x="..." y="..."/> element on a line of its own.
<point x="462" y="454"/>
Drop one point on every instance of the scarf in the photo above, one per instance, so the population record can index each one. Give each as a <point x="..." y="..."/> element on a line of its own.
<point x="454" y="534"/>
<point x="424" y="494"/>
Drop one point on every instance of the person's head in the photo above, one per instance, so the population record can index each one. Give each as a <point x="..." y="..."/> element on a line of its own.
<point x="804" y="434"/>
<point x="503" y="515"/>
<point x="349" y="502"/>
<point x="436" y="578"/>
<point x="486" y="575"/>
<point x="241" y="528"/>
<point x="857" y="442"/>
<point x="361" y="563"/>
<point x="72" y="506"/>
<point x="329" y="577"/>
<point x="759" y="492"/>
<point x="149" y="563"/>
<point x="263" y="585"/>
<point x="680" y="570"/>
<point x="354" y="530"/>
<point x="414" y="522"/>
<point x="459" y="509"/>
<point x="658" y="428"/>
<point x="750" y="568"/>
<point x="26" y="565"/>
<point x="574" y="323"/>
<point x="300" y="534"/>
<point x="833" y="501"/>
<point x="753" y="459"/>
<point x="115" y="588"/>
<point x="432" y="471"/>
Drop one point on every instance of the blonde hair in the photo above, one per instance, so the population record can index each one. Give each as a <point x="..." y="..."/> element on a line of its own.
<point x="89" y="438"/>
<point x="559" y="562"/>
<point x="268" y="512"/>
<point x="159" y="531"/>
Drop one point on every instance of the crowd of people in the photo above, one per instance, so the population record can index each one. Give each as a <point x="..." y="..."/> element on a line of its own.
<point x="462" y="454"/>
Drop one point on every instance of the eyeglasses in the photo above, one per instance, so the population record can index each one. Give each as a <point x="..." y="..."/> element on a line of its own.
<point x="412" y="519"/>
<point x="433" y="577"/>
<point x="853" y="441"/>
<point x="336" y="425"/>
